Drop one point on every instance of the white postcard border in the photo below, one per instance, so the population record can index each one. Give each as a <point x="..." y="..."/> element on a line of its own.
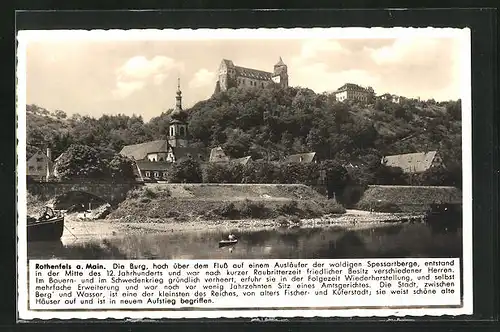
<point x="25" y="37"/>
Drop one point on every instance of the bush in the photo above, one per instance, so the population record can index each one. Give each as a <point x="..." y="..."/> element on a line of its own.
<point x="252" y="209"/>
<point x="186" y="170"/>
<point x="227" y="210"/>
<point x="288" y="208"/>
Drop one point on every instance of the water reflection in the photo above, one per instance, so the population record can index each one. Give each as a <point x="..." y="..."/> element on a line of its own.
<point x="402" y="240"/>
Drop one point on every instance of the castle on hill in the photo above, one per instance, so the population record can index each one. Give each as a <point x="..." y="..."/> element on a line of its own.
<point x="230" y="76"/>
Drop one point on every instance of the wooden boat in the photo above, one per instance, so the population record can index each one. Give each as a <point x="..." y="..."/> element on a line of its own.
<point x="225" y="243"/>
<point x="48" y="227"/>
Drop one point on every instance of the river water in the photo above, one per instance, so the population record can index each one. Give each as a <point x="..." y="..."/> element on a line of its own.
<point x="394" y="241"/>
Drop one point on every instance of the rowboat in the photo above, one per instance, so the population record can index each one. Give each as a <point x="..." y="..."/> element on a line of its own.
<point x="225" y="243"/>
<point x="48" y="227"/>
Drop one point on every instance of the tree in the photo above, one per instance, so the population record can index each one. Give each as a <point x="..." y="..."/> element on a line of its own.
<point x="185" y="170"/>
<point x="336" y="177"/>
<point x="85" y="162"/>
<point x="81" y="162"/>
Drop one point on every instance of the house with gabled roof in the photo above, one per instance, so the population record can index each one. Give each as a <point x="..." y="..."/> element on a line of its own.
<point x="242" y="161"/>
<point x="39" y="166"/>
<point x="309" y="157"/>
<point x="413" y="163"/>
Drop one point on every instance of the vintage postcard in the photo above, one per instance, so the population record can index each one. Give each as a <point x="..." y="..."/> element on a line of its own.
<point x="247" y="173"/>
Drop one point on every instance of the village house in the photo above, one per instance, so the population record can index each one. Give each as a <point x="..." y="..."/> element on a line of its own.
<point x="309" y="157"/>
<point x="350" y="91"/>
<point x="39" y="165"/>
<point x="413" y="163"/>
<point x="391" y="97"/>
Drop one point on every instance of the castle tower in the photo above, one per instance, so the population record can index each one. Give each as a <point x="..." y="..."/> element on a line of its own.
<point x="177" y="131"/>
<point x="280" y="74"/>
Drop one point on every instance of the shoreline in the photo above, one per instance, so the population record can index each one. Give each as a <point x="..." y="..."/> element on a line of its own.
<point x="80" y="229"/>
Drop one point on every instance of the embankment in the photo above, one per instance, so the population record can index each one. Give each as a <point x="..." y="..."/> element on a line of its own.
<point x="406" y="198"/>
<point x="222" y="201"/>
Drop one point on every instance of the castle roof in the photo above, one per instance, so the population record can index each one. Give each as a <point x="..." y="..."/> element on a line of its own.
<point x="301" y="158"/>
<point x="253" y="73"/>
<point x="228" y="63"/>
<point x="280" y="62"/>
<point x="141" y="151"/>
<point x="411" y="162"/>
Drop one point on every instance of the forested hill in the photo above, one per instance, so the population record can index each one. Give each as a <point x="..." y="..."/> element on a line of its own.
<point x="271" y="123"/>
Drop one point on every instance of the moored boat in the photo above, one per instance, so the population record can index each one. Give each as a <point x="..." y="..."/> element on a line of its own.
<point x="48" y="227"/>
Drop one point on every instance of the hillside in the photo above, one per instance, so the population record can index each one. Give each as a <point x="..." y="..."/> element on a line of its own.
<point x="271" y="123"/>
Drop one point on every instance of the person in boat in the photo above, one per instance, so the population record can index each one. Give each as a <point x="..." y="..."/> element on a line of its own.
<point x="231" y="237"/>
<point x="48" y="214"/>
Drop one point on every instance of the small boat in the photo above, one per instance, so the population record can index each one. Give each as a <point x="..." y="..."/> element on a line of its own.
<point x="225" y="243"/>
<point x="231" y="241"/>
<point x="48" y="227"/>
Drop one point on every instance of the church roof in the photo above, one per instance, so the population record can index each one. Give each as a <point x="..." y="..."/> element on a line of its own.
<point x="141" y="151"/>
<point x="411" y="162"/>
<point x="253" y="73"/>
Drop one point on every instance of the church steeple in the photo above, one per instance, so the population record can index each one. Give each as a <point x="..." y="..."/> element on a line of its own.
<point x="178" y="103"/>
<point x="178" y="130"/>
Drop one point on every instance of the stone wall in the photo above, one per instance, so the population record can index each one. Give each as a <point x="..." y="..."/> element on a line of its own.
<point x="111" y="192"/>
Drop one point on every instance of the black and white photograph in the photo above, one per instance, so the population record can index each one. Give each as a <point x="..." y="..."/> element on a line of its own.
<point x="229" y="145"/>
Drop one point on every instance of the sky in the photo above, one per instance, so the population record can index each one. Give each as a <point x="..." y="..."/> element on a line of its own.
<point x="95" y="77"/>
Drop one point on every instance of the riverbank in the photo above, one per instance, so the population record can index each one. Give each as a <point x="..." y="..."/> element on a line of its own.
<point x="78" y="229"/>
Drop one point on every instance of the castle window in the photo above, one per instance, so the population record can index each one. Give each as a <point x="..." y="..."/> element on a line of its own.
<point x="148" y="174"/>
<point x="31" y="168"/>
<point x="171" y="131"/>
<point x="39" y="159"/>
<point x="165" y="174"/>
<point x="182" y="131"/>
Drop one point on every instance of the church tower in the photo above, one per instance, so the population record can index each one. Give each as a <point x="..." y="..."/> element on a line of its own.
<point x="280" y="74"/>
<point x="177" y="131"/>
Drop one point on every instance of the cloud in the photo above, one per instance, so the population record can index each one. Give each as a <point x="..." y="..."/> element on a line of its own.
<point x="124" y="89"/>
<point x="416" y="51"/>
<point x="138" y="71"/>
<point x="315" y="48"/>
<point x="202" y="77"/>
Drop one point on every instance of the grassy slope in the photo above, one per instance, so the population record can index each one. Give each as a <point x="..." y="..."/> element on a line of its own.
<point x="408" y="198"/>
<point x="210" y="201"/>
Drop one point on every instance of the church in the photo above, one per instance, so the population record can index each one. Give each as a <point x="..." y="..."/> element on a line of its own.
<point x="230" y="76"/>
<point x="154" y="158"/>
